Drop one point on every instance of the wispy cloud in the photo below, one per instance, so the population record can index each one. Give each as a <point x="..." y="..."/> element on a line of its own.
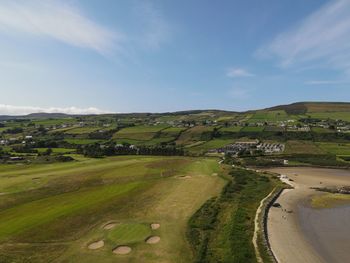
<point x="57" y="20"/>
<point x="238" y="72"/>
<point x="326" y="82"/>
<point x="321" y="38"/>
<point x="22" y="110"/>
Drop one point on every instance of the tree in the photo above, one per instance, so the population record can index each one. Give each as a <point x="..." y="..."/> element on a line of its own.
<point x="48" y="152"/>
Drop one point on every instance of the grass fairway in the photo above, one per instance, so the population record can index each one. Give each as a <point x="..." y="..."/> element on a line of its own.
<point x="52" y="212"/>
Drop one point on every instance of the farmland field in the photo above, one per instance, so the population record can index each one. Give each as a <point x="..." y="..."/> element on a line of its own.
<point x="82" y="130"/>
<point x="212" y="144"/>
<point x="253" y="129"/>
<point x="81" y="141"/>
<point x="141" y="133"/>
<point x="297" y="147"/>
<point x="335" y="148"/>
<point x="231" y="129"/>
<point x="57" y="210"/>
<point x="193" y="135"/>
<point x="269" y="116"/>
<point x="345" y="116"/>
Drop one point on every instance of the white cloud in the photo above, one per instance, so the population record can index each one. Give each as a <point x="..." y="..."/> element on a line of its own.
<point x="238" y="72"/>
<point x="23" y="110"/>
<point x="323" y="38"/>
<point x="57" y="20"/>
<point x="326" y="82"/>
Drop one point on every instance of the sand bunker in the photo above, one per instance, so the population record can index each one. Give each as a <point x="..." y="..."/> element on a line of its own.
<point x="184" y="177"/>
<point x="153" y="240"/>
<point x="122" y="250"/>
<point x="96" y="245"/>
<point x="155" y="226"/>
<point x="109" y="226"/>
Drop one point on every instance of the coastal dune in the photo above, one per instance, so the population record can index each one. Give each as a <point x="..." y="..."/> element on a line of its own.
<point x="292" y="241"/>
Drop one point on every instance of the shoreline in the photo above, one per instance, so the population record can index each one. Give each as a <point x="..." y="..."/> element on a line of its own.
<point x="288" y="241"/>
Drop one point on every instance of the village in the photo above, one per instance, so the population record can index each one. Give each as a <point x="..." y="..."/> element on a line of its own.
<point x="251" y="147"/>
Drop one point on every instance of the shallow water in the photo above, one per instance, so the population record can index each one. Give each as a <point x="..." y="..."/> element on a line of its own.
<point x="327" y="230"/>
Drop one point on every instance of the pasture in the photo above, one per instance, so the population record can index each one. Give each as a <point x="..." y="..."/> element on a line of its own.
<point x="269" y="116"/>
<point x="139" y="133"/>
<point x="59" y="212"/>
<point x="82" y="130"/>
<point x="345" y="116"/>
<point x="195" y="134"/>
<point x="300" y="147"/>
<point x="253" y="129"/>
<point x="335" y="148"/>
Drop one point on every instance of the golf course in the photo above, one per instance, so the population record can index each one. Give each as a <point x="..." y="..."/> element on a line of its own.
<point x="116" y="209"/>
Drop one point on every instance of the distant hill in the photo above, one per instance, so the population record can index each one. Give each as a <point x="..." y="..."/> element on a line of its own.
<point x="44" y="115"/>
<point x="313" y="107"/>
<point x="39" y="115"/>
<point x="298" y="108"/>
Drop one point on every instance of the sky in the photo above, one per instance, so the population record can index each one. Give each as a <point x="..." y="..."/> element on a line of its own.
<point x="98" y="56"/>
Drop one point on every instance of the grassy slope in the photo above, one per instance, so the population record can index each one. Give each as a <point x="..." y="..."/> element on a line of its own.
<point x="72" y="200"/>
<point x="222" y="230"/>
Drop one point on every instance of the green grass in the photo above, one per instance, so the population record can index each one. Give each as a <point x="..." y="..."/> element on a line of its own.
<point x="345" y="116"/>
<point x="321" y="130"/>
<point x="329" y="200"/>
<point x="231" y="129"/>
<point x="128" y="233"/>
<point x="269" y="116"/>
<point x="335" y="148"/>
<point x="83" y="130"/>
<point x="253" y="129"/>
<point x="24" y="217"/>
<point x="222" y="230"/>
<point x="302" y="147"/>
<point x="51" y="122"/>
<point x="82" y="141"/>
<point x="192" y="135"/>
<point x="70" y="202"/>
<point x="212" y="144"/>
<point x="139" y="133"/>
<point x="55" y="150"/>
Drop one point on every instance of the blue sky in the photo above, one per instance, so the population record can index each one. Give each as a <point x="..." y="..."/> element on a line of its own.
<point x="94" y="56"/>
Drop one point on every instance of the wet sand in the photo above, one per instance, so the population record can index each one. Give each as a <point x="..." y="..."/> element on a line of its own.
<point x="291" y="236"/>
<point x="328" y="230"/>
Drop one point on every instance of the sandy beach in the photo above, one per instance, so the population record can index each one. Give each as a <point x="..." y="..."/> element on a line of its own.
<point x="290" y="242"/>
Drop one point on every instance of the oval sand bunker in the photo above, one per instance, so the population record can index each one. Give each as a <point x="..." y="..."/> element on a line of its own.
<point x="153" y="240"/>
<point x="155" y="226"/>
<point x="122" y="250"/>
<point x="109" y="226"/>
<point x="96" y="245"/>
